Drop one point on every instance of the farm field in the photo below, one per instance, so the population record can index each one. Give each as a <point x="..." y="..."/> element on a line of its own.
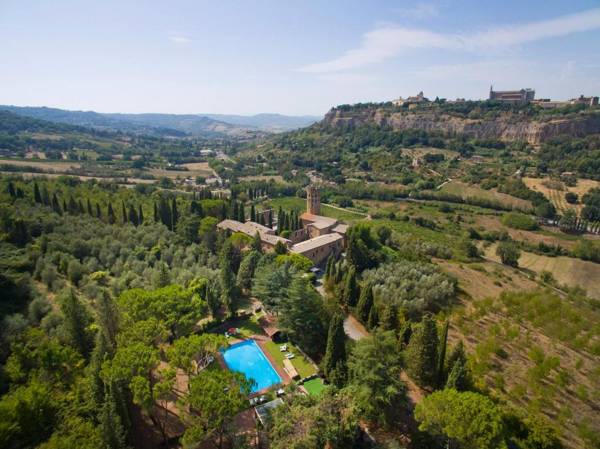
<point x="468" y="191"/>
<point x="276" y="178"/>
<point x="557" y="195"/>
<point x="492" y="223"/>
<point x="566" y="270"/>
<point x="50" y="165"/>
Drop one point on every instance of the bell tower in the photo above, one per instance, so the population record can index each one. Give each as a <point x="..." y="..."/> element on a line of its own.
<point x="313" y="200"/>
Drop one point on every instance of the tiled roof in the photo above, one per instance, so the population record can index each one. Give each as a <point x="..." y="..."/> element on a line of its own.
<point x="316" y="242"/>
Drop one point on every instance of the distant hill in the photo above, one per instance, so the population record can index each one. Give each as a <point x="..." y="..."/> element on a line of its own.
<point x="170" y="125"/>
<point x="268" y="122"/>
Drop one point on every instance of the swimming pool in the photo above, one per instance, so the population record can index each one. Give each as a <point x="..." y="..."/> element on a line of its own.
<point x="247" y="358"/>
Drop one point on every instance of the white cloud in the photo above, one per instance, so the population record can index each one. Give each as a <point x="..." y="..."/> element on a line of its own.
<point x="388" y="42"/>
<point x="179" y="39"/>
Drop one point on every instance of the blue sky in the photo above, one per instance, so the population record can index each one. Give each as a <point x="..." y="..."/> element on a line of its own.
<point x="291" y="57"/>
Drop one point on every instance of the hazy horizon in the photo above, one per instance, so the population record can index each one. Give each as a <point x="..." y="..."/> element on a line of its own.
<point x="246" y="58"/>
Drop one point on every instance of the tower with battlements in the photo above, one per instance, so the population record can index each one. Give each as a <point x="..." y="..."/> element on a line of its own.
<point x="313" y="200"/>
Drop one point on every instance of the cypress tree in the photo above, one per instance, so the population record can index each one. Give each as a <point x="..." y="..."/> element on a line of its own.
<point x="270" y="218"/>
<point x="80" y="208"/>
<point x="37" y="197"/>
<point x="234" y="210"/>
<point x="123" y="212"/>
<point x="389" y="319"/>
<point x="111" y="426"/>
<point x="241" y="214"/>
<point x="72" y="206"/>
<point x="11" y="189"/>
<point x="64" y="206"/>
<point x="441" y="373"/>
<point x="459" y="377"/>
<point x="76" y="322"/>
<point x="110" y="213"/>
<point x="155" y="216"/>
<point x="45" y="196"/>
<point x="457" y="354"/>
<point x="132" y="215"/>
<point x="140" y="215"/>
<point x="334" y="362"/>
<point x="164" y="212"/>
<point x="422" y="353"/>
<point x="98" y="211"/>
<point x="373" y="320"/>
<point x="252" y="213"/>
<point x="56" y="204"/>
<point x="174" y="213"/>
<point x="405" y="334"/>
<point x="351" y="290"/>
<point x="89" y="208"/>
<point x="257" y="243"/>
<point x="365" y="303"/>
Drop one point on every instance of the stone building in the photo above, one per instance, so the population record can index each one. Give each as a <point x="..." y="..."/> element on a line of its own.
<point x="523" y="96"/>
<point x="319" y="237"/>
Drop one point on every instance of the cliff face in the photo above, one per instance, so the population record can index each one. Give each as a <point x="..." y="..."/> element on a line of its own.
<point x="508" y="127"/>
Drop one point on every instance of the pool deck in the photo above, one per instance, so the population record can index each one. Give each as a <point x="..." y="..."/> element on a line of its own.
<point x="260" y="341"/>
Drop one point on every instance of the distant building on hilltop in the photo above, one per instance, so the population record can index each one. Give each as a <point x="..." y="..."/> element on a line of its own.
<point x="589" y="101"/>
<point x="523" y="96"/>
<point x="419" y="98"/>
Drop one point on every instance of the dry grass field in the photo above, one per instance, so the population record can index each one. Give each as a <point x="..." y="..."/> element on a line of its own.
<point x="565" y="270"/>
<point x="469" y="191"/>
<point x="54" y="166"/>
<point x="276" y="178"/>
<point x="504" y="351"/>
<point x="557" y="195"/>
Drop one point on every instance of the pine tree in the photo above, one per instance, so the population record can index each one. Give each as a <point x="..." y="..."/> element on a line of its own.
<point x="110" y="214"/>
<point x="140" y="215"/>
<point x="334" y="362"/>
<point x="37" y="197"/>
<point x="351" y="289"/>
<point x="365" y="303"/>
<point x="441" y="371"/>
<point x="422" y="353"/>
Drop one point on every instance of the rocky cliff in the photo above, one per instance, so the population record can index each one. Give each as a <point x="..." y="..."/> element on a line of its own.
<point x="507" y="127"/>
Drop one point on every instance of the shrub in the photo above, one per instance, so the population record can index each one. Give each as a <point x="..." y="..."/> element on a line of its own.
<point x="516" y="220"/>
<point x="509" y="253"/>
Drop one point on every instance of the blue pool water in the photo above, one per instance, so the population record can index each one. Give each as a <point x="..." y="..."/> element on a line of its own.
<point x="247" y="358"/>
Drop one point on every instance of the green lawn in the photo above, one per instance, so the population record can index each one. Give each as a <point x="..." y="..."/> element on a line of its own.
<point x="292" y="202"/>
<point x="303" y="366"/>
<point x="314" y="386"/>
